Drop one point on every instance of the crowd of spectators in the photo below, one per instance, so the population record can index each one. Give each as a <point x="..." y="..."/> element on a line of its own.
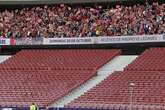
<point x="70" y="21"/>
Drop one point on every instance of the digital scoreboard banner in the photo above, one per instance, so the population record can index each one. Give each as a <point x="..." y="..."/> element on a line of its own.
<point x="132" y="39"/>
<point x="104" y="40"/>
<point x="29" y="41"/>
<point x="68" y="41"/>
<point x="84" y="40"/>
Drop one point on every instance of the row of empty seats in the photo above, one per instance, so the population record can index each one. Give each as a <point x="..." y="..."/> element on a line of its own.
<point x="152" y="59"/>
<point x="41" y="87"/>
<point x="46" y="59"/>
<point x="44" y="76"/>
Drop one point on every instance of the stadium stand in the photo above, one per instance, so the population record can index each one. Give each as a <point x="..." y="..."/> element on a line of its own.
<point x="60" y="59"/>
<point x="147" y="93"/>
<point x="21" y="88"/>
<point x="151" y="60"/>
<point x="69" y="21"/>
<point x="46" y="76"/>
<point x="149" y="90"/>
<point x="38" y="76"/>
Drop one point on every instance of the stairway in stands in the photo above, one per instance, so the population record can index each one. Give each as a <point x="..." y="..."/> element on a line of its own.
<point x="4" y="58"/>
<point x="116" y="64"/>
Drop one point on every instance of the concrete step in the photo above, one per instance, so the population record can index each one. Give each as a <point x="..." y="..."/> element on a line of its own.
<point x="4" y="58"/>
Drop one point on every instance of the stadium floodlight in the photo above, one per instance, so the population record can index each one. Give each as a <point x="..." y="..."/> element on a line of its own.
<point x="131" y="87"/>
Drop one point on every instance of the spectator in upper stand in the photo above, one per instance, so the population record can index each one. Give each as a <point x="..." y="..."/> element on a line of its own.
<point x="65" y="21"/>
<point x="98" y="31"/>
